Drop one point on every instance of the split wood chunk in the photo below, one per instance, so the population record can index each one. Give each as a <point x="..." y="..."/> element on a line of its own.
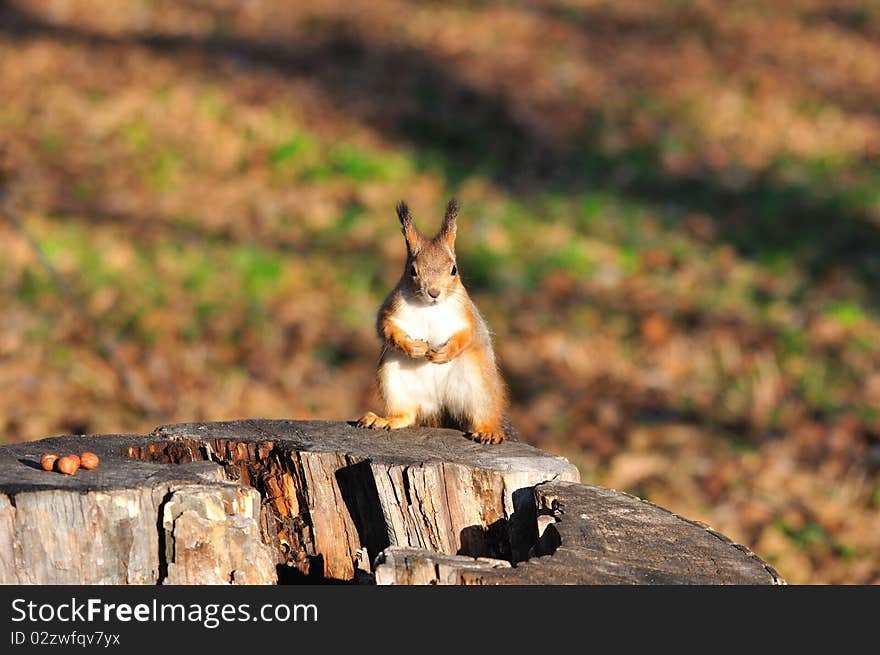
<point x="126" y="522"/>
<point x="409" y="566"/>
<point x="331" y="489"/>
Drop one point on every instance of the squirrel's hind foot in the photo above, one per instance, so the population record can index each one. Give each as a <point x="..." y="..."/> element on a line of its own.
<point x="487" y="435"/>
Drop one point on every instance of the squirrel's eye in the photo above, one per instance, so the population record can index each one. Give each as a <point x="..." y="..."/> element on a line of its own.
<point x="412" y="270"/>
<point x="454" y="270"/>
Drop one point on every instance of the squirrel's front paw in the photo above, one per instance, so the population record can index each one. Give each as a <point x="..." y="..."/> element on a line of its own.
<point x="369" y="420"/>
<point x="416" y="348"/>
<point x="439" y="355"/>
<point x="393" y="422"/>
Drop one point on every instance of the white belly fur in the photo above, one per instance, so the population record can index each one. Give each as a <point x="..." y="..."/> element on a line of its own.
<point x="455" y="386"/>
<point x="431" y="323"/>
<point x="416" y="383"/>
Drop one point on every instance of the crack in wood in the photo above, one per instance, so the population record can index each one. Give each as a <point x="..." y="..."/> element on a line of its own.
<point x="163" y="536"/>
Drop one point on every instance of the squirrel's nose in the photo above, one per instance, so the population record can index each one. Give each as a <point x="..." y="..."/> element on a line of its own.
<point x="433" y="292"/>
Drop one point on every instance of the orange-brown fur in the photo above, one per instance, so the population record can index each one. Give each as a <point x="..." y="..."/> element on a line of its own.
<point x="446" y="374"/>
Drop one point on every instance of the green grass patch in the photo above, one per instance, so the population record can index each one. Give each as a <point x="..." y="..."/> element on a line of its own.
<point x="481" y="268"/>
<point x="594" y="206"/>
<point x="164" y="170"/>
<point x="291" y="150"/>
<point x="793" y="342"/>
<point x="357" y="164"/>
<point x="808" y="536"/>
<point x="199" y="274"/>
<point x="571" y="258"/>
<point x="261" y="270"/>
<point x="845" y="313"/>
<point x="32" y="285"/>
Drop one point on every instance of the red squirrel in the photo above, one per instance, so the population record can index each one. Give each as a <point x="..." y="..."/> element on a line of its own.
<point x="437" y="366"/>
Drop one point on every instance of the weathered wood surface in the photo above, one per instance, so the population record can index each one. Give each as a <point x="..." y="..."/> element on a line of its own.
<point x="181" y="504"/>
<point x="593" y="535"/>
<point x="126" y="522"/>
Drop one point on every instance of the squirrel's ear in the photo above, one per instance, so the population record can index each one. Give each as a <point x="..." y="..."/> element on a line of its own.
<point x="447" y="230"/>
<point x="410" y="233"/>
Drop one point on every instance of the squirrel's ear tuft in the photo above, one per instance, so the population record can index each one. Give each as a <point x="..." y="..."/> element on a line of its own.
<point x="410" y="233"/>
<point x="404" y="214"/>
<point x="447" y="230"/>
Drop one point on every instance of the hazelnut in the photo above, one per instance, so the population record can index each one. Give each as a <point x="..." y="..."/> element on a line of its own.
<point x="48" y="460"/>
<point x="88" y="460"/>
<point x="68" y="464"/>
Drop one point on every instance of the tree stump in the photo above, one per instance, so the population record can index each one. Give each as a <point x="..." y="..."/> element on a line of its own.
<point x="266" y="501"/>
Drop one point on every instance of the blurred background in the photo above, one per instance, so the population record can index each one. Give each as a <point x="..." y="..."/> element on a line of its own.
<point x="670" y="218"/>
